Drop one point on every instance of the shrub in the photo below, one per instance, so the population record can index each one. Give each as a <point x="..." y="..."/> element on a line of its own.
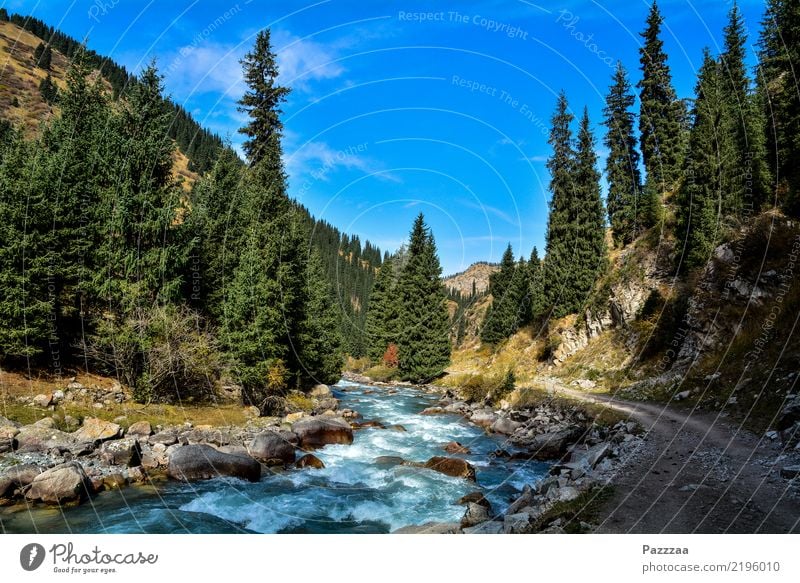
<point x="390" y="357"/>
<point x="162" y="353"/>
<point x="478" y="388"/>
<point x="382" y="373"/>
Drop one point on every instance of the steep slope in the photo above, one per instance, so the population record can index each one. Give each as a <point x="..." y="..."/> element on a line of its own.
<point x="476" y="275"/>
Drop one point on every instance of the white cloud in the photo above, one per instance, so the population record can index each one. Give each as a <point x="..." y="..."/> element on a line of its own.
<point x="302" y="61"/>
<point x="318" y="160"/>
<point x="490" y="210"/>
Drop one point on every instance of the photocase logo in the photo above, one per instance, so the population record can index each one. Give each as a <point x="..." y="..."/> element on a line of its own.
<point x="31" y="556"/>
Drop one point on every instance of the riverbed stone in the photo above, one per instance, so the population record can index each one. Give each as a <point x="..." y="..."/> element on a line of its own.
<point x="43" y="400"/>
<point x="43" y="438"/>
<point x="455" y="447"/>
<point x="140" y="429"/>
<point x="474" y="514"/>
<point x="310" y="461"/>
<point x="483" y="419"/>
<point x="321" y="392"/>
<point x="320" y="431"/>
<point x="433" y="411"/>
<point x="489" y="527"/>
<point x="272" y="449"/>
<point x="523" y="500"/>
<point x="122" y="452"/>
<point x="518" y="523"/>
<point x="430" y="528"/>
<point x="62" y="484"/>
<point x="94" y="429"/>
<point x="166" y="437"/>
<point x="475" y="498"/>
<point x="454" y="467"/>
<point x="553" y="445"/>
<point x="16" y="477"/>
<point x="202" y="462"/>
<point x="388" y="460"/>
<point x="8" y="440"/>
<point x="505" y="426"/>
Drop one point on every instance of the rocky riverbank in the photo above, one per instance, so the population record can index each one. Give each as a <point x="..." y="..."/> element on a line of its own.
<point x="586" y="456"/>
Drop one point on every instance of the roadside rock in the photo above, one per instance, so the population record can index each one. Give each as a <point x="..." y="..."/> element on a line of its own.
<point x="454" y="467"/>
<point x="140" y="429"/>
<point x="552" y="445"/>
<point x="203" y="462"/>
<point x="94" y="429"/>
<point x="310" y="461"/>
<point x="122" y="452"/>
<point x="59" y="485"/>
<point x="475" y="514"/>
<point x="271" y="449"/>
<point x="455" y="447"/>
<point x="316" y="432"/>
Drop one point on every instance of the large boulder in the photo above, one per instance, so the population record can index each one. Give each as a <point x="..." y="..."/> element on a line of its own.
<point x="455" y="447"/>
<point x="505" y="426"/>
<point x="272" y="449"/>
<point x="546" y="446"/>
<point x="525" y="499"/>
<point x="122" y="452"/>
<point x="483" y="419"/>
<point x="475" y="498"/>
<point x="166" y="437"/>
<point x="790" y="414"/>
<point x="17" y="477"/>
<point x="62" y="484"/>
<point x="321" y="392"/>
<point x="203" y="462"/>
<point x="42" y="437"/>
<point x="475" y="514"/>
<point x="454" y="467"/>
<point x="94" y="430"/>
<point x="490" y="527"/>
<point x="320" y="431"/>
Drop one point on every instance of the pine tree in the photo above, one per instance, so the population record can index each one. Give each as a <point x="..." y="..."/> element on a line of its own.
<point x="701" y="196"/>
<point x="319" y="339"/>
<point x="622" y="165"/>
<point x="43" y="56"/>
<point x="779" y="61"/>
<point x="424" y="323"/>
<point x="382" y="316"/>
<point x="496" y="324"/>
<point x="746" y="174"/>
<point x="262" y="101"/>
<point x="659" y="119"/>
<point x="560" y="236"/>
<point x="590" y="246"/>
<point x="48" y="90"/>
<point x="538" y="301"/>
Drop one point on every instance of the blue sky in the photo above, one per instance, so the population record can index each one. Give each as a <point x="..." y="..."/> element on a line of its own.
<point x="405" y="106"/>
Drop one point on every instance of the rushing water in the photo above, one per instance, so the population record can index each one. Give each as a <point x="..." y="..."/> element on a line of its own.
<point x="352" y="494"/>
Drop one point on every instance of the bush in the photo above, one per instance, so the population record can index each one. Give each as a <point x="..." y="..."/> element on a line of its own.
<point x="478" y="388"/>
<point x="390" y="357"/>
<point x="357" y="365"/>
<point x="162" y="353"/>
<point x="382" y="373"/>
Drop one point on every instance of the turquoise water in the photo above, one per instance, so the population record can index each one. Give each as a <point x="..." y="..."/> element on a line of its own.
<point x="352" y="494"/>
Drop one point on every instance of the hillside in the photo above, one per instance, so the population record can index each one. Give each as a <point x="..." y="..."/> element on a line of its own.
<point x="473" y="279"/>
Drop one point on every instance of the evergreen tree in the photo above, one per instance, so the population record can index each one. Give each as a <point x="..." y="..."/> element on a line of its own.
<point x="701" y="196"/>
<point x="424" y="323"/>
<point x="779" y="61"/>
<point x="262" y="101"/>
<point x="746" y="174"/>
<point x="659" y="119"/>
<point x="43" y="56"/>
<point x="319" y="339"/>
<point x="590" y="247"/>
<point x="538" y="301"/>
<point x="560" y="237"/>
<point x="382" y="316"/>
<point x="48" y="90"/>
<point x="622" y="165"/>
<point x="497" y="321"/>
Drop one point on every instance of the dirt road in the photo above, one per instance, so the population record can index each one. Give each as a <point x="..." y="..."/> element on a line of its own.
<point x="698" y="472"/>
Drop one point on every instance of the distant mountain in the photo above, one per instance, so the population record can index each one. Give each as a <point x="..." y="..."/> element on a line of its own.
<point x="477" y="274"/>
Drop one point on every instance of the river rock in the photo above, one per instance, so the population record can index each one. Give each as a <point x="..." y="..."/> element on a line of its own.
<point x="475" y="498"/>
<point x="524" y="499"/>
<point x="433" y="411"/>
<point x="454" y="467"/>
<point x="457" y="407"/>
<point x="388" y="460"/>
<point x="430" y="528"/>
<point x="295" y="417"/>
<point x="310" y="461"/>
<point x="94" y="429"/>
<point x="563" y="494"/>
<point x="43" y="438"/>
<point x="203" y="462"/>
<point x="316" y="431"/>
<point x="397" y="428"/>
<point x="114" y="481"/>
<point x="505" y="426"/>
<point x="5" y="422"/>
<point x="519" y="523"/>
<point x="475" y="514"/>
<point x="483" y="419"/>
<point x="166" y="437"/>
<point x="790" y="414"/>
<point x="368" y="425"/>
<point x="17" y="477"/>
<point x="7" y="438"/>
<point x="60" y="485"/>
<point x="321" y="392"/>
<point x="552" y="445"/>
<point x="122" y="452"/>
<point x="455" y="447"/>
<point x="271" y="449"/>
<point x="140" y="429"/>
<point x="790" y="472"/>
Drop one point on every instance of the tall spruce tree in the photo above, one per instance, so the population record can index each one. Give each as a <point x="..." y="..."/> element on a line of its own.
<point x="424" y="323"/>
<point x="659" y="118"/>
<point x="622" y="165"/>
<point x="538" y="301"/>
<point x="382" y="316"/>
<point x="779" y="61"/>
<point x="746" y="174"/>
<point x="702" y="194"/>
<point x="497" y="321"/>
<point x="560" y="294"/>
<point x="590" y="245"/>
